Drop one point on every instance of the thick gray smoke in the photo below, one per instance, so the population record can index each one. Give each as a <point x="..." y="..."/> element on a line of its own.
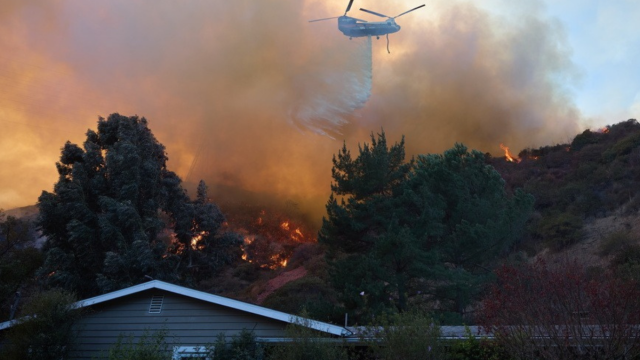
<point x="238" y="91"/>
<point x="340" y="91"/>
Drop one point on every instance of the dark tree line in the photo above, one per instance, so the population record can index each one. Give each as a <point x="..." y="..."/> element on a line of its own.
<point x="423" y="230"/>
<point x="106" y="220"/>
<point x="19" y="260"/>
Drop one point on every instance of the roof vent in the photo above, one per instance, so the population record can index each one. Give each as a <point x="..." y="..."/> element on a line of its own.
<point x="156" y="304"/>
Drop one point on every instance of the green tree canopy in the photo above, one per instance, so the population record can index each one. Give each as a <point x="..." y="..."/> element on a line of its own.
<point x="113" y="200"/>
<point x="477" y="222"/>
<point x="19" y="260"/>
<point x="424" y="228"/>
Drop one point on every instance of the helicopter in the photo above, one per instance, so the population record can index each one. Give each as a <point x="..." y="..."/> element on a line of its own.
<point x="353" y="27"/>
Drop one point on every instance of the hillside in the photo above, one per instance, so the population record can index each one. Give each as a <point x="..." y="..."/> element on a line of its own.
<point x="586" y="194"/>
<point x="586" y="208"/>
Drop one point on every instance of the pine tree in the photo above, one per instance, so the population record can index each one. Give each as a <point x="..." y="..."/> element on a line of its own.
<point x="426" y="227"/>
<point x="104" y="217"/>
<point x="478" y="220"/>
<point x="373" y="255"/>
<point x="201" y="249"/>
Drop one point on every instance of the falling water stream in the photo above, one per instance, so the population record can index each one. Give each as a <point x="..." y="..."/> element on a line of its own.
<point x="324" y="112"/>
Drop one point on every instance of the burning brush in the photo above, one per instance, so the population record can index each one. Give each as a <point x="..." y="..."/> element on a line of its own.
<point x="270" y="237"/>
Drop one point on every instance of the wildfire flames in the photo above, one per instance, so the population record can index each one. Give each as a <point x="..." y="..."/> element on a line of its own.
<point x="270" y="237"/>
<point x="507" y="154"/>
<point x="195" y="241"/>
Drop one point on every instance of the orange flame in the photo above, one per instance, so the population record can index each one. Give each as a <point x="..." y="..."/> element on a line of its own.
<point x="196" y="239"/>
<point x="507" y="154"/>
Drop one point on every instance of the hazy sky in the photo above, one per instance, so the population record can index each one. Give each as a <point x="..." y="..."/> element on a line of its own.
<point x="254" y="99"/>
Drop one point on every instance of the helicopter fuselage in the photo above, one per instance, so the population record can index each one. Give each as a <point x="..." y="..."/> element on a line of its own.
<point x="351" y="27"/>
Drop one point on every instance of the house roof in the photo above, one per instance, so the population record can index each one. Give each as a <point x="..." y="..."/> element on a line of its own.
<point x="210" y="298"/>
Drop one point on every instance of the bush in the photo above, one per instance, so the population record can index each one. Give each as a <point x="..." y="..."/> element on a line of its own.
<point x="241" y="347"/>
<point x="615" y="243"/>
<point x="584" y="139"/>
<point x="44" y="332"/>
<point x="405" y="336"/>
<point x="538" y="312"/>
<point x="247" y="271"/>
<point x="560" y="231"/>
<point x="622" y="147"/>
<point x="473" y="348"/>
<point x="308" y="344"/>
<point x="150" y="346"/>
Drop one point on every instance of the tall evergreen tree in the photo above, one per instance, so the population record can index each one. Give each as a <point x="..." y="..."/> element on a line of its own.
<point x="103" y="219"/>
<point x="201" y="249"/>
<point x="423" y="227"/>
<point x="373" y="255"/>
<point x="478" y="220"/>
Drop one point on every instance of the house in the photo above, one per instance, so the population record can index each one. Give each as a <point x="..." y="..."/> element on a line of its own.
<point x="191" y="318"/>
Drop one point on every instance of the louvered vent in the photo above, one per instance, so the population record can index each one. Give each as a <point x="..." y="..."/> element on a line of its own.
<point x="156" y="304"/>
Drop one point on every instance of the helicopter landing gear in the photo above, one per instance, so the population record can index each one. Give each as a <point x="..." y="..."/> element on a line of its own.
<point x="350" y="38"/>
<point x="378" y="37"/>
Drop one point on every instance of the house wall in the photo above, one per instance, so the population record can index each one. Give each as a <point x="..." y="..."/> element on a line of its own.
<point x="188" y="322"/>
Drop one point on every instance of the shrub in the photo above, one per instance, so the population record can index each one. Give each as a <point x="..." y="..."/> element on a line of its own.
<point x="308" y="344"/>
<point x="150" y="346"/>
<point x="615" y="243"/>
<point x="45" y="329"/>
<point x="584" y="139"/>
<point x="241" y="347"/>
<point x="405" y="336"/>
<point x="474" y="348"/>
<point x="538" y="312"/>
<point x="560" y="231"/>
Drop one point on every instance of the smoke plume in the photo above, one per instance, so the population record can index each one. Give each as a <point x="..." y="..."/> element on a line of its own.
<point x="340" y="91"/>
<point x="241" y="92"/>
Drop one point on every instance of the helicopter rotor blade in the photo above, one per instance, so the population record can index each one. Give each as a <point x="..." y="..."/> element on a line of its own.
<point x="348" y="7"/>
<point x="408" y="11"/>
<point x="335" y="17"/>
<point x="375" y="13"/>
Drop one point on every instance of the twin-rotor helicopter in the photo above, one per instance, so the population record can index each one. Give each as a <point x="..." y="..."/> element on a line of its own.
<point x="353" y="27"/>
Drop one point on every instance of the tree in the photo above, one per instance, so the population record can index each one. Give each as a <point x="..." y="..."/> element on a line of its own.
<point x="309" y="344"/>
<point x="104" y="219"/>
<point x="371" y="252"/>
<point x="477" y="221"/>
<point x="540" y="312"/>
<point x="44" y="330"/>
<point x="428" y="227"/>
<point x="412" y="335"/>
<point x="241" y="347"/>
<point x="201" y="249"/>
<point x="19" y="260"/>
<point x="149" y="346"/>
